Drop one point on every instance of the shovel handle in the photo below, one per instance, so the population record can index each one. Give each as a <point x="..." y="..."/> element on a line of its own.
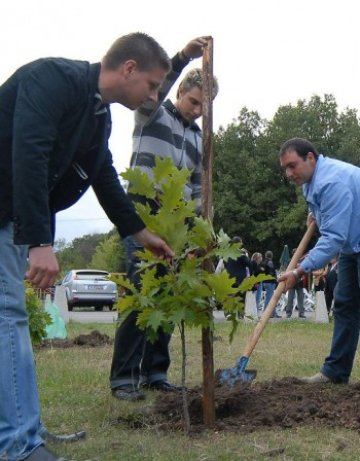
<point x="254" y="338"/>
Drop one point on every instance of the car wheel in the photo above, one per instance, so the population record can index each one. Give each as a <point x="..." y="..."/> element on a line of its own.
<point x="70" y="305"/>
<point x="99" y="308"/>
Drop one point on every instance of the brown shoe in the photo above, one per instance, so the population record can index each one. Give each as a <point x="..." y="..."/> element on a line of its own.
<point x="318" y="378"/>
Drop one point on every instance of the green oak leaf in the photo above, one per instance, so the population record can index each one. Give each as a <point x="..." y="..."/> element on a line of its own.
<point x="248" y="283"/>
<point x="201" y="233"/>
<point x="221" y="284"/>
<point x="164" y="169"/>
<point x="124" y="282"/>
<point x="127" y="303"/>
<point x="155" y="319"/>
<point x="139" y="183"/>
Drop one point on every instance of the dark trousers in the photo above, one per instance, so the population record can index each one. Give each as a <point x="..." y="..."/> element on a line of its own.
<point x="329" y="296"/>
<point x="136" y="360"/>
<point x="338" y="365"/>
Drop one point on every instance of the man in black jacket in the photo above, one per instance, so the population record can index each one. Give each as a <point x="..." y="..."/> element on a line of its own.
<point x="54" y="129"/>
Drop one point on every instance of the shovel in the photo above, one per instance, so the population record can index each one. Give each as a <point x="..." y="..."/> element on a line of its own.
<point x="231" y="376"/>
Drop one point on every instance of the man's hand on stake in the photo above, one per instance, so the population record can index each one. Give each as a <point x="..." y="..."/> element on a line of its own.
<point x="194" y="49"/>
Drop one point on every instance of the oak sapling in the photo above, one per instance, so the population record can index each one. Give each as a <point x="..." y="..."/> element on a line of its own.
<point x="179" y="292"/>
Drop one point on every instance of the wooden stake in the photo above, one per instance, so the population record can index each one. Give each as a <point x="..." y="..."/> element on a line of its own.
<point x="206" y="203"/>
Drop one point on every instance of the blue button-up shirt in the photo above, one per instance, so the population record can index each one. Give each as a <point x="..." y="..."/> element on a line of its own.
<point x="333" y="196"/>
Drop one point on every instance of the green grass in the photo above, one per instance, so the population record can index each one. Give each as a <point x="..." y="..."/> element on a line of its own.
<point x="75" y="395"/>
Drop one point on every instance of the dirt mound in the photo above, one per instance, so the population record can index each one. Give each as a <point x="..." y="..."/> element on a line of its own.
<point x="93" y="339"/>
<point x="285" y="404"/>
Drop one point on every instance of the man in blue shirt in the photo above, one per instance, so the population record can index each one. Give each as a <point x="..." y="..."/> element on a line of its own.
<point x="332" y="191"/>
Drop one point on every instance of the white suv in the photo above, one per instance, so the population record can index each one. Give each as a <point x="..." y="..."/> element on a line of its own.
<point x="89" y="287"/>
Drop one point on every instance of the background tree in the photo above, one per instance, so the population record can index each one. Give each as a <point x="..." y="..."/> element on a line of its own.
<point x="252" y="198"/>
<point x="109" y="254"/>
<point x="79" y="253"/>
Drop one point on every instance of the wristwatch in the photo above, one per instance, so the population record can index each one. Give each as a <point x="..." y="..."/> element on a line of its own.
<point x="40" y="245"/>
<point x="295" y="273"/>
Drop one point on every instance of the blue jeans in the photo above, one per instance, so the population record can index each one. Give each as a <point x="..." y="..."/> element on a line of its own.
<point x="19" y="403"/>
<point x="338" y="365"/>
<point x="269" y="288"/>
<point x="258" y="295"/>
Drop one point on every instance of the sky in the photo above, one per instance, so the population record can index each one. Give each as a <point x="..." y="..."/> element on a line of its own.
<point x="267" y="53"/>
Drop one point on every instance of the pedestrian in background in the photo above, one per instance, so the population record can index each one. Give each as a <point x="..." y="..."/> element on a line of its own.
<point x="256" y="268"/>
<point x="270" y="285"/>
<point x="330" y="283"/>
<point x="298" y="290"/>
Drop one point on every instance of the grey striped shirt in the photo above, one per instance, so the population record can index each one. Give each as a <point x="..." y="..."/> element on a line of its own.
<point x="160" y="130"/>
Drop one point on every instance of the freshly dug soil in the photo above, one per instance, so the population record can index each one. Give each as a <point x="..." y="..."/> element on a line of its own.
<point x="285" y="403"/>
<point x="93" y="339"/>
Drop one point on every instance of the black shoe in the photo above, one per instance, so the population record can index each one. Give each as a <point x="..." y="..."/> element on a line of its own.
<point x="302" y="316"/>
<point x="43" y="454"/>
<point x="288" y="316"/>
<point x="127" y="393"/>
<point x="163" y="386"/>
<point x="276" y="316"/>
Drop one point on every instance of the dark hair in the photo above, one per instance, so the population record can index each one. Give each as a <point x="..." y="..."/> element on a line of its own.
<point x="269" y="254"/>
<point x="140" y="47"/>
<point x="236" y="239"/>
<point x="301" y="146"/>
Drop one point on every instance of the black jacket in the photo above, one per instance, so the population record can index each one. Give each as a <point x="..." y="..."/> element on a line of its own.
<point x="53" y="147"/>
<point x="238" y="268"/>
<point x="269" y="269"/>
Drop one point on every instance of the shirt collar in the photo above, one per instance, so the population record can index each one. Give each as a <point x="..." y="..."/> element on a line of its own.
<point x="171" y="108"/>
<point x="99" y="106"/>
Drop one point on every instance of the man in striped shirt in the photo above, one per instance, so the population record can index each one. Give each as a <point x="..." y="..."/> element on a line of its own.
<point x="162" y="129"/>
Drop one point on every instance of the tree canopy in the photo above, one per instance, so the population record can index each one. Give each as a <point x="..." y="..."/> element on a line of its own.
<point x="252" y="197"/>
<point x="93" y="251"/>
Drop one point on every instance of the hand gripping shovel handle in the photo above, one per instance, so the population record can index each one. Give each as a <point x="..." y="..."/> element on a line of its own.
<point x="254" y="338"/>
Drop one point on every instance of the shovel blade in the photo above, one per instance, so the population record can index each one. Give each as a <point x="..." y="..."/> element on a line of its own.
<point x="232" y="376"/>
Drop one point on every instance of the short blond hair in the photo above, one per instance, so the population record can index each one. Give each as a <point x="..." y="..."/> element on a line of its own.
<point x="194" y="78"/>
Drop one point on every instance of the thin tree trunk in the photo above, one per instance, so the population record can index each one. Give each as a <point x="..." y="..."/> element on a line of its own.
<point x="185" y="401"/>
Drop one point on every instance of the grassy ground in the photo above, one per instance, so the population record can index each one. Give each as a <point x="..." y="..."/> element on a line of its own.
<point x="74" y="394"/>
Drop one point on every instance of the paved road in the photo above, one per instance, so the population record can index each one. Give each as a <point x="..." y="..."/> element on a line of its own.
<point x="87" y="316"/>
<point x="90" y="316"/>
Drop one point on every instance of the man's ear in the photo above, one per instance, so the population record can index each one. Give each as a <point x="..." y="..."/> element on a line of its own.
<point x="311" y="157"/>
<point x="179" y="92"/>
<point x="129" y="67"/>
